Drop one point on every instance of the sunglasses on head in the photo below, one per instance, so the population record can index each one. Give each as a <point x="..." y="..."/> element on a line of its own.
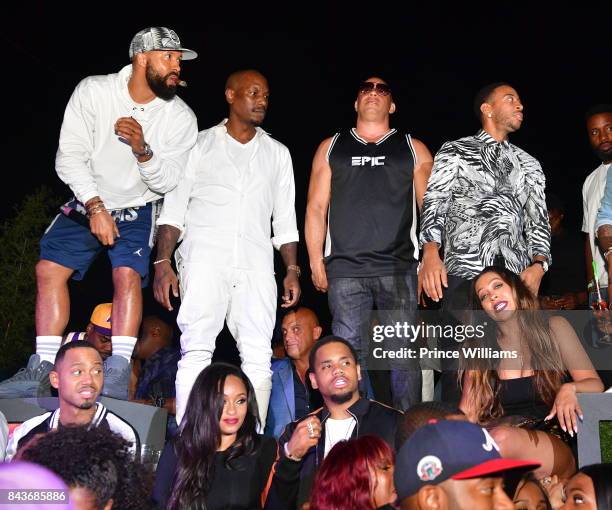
<point x="382" y="89"/>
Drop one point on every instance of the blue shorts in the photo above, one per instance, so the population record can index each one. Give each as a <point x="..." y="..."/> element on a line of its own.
<point x="71" y="244"/>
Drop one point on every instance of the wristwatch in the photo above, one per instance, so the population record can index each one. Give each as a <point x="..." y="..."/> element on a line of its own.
<point x="543" y="263"/>
<point x="146" y="151"/>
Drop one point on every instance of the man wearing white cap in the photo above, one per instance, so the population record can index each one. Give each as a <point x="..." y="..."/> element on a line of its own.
<point x="123" y="145"/>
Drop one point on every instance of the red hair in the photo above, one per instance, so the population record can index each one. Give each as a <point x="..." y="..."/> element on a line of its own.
<point x="344" y="481"/>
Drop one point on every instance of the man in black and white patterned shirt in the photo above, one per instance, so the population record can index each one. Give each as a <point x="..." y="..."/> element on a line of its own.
<point x="484" y="205"/>
<point x="485" y="202"/>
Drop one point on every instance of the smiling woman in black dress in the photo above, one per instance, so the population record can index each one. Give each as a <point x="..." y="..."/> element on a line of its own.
<point x="218" y="460"/>
<point x="527" y="399"/>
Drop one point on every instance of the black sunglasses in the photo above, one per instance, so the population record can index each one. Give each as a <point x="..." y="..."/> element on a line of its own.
<point x="382" y="89"/>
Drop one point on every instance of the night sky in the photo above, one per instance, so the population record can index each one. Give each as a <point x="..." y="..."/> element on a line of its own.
<point x="314" y="55"/>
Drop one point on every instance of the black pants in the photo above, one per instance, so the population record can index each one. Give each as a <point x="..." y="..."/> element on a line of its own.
<point x="455" y="303"/>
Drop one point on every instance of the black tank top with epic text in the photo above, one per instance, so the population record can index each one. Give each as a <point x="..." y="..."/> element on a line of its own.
<point x="372" y="214"/>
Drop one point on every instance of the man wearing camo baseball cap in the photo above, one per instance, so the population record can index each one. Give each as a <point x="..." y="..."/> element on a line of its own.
<point x="123" y="145"/>
<point x="453" y="465"/>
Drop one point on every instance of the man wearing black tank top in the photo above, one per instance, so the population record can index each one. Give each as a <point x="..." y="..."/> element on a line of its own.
<point x="365" y="186"/>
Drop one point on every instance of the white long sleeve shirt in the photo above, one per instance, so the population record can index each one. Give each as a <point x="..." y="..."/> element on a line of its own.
<point x="224" y="212"/>
<point x="94" y="162"/>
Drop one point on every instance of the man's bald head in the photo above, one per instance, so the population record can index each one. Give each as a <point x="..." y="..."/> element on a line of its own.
<point x="155" y="334"/>
<point x="236" y="79"/>
<point x="306" y="314"/>
<point x="247" y="94"/>
<point x="301" y="330"/>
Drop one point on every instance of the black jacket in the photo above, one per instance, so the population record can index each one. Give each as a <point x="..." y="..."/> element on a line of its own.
<point x="293" y="480"/>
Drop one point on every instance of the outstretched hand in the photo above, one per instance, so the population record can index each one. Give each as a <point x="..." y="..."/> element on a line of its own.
<point x="567" y="409"/>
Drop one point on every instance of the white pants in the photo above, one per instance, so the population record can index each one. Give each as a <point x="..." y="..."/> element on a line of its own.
<point x="247" y="301"/>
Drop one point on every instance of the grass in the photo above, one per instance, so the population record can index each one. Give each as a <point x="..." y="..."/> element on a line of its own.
<point x="605" y="437"/>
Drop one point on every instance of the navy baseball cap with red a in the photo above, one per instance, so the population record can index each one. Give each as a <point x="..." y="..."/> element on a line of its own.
<point x="455" y="450"/>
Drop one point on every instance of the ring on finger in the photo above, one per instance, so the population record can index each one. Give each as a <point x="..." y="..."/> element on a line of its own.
<point x="310" y="428"/>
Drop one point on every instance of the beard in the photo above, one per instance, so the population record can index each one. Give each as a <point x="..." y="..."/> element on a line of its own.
<point x="256" y="119"/>
<point x="605" y="156"/>
<point x="87" y="405"/>
<point x="512" y="124"/>
<point x="158" y="84"/>
<point x="341" y="398"/>
<point x="258" y="122"/>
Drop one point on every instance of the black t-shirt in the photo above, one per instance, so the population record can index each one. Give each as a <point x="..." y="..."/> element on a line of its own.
<point x="372" y="213"/>
<point x="239" y="488"/>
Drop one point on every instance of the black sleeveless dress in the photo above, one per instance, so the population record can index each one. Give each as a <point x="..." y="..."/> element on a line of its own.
<point x="519" y="398"/>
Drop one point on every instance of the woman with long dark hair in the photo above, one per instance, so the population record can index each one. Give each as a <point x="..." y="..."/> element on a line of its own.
<point x="589" y="489"/>
<point x="355" y="475"/>
<point x="218" y="460"/>
<point x="538" y="383"/>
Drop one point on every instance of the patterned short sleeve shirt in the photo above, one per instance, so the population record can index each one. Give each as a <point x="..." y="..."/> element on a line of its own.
<point x="485" y="200"/>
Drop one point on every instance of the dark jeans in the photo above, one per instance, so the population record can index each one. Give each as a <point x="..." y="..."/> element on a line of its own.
<point x="455" y="302"/>
<point x="351" y="303"/>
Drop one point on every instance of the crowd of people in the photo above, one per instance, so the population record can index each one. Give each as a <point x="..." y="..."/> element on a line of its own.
<point x="390" y="231"/>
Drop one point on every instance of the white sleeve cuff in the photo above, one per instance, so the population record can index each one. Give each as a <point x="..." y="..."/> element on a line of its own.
<point x="291" y="237"/>
<point x="167" y="221"/>
<point x="84" y="198"/>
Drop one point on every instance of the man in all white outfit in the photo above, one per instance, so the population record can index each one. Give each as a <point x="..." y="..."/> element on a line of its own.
<point x="237" y="179"/>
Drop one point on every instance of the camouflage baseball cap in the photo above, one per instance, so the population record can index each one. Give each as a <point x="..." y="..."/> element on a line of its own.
<point x="158" y="39"/>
